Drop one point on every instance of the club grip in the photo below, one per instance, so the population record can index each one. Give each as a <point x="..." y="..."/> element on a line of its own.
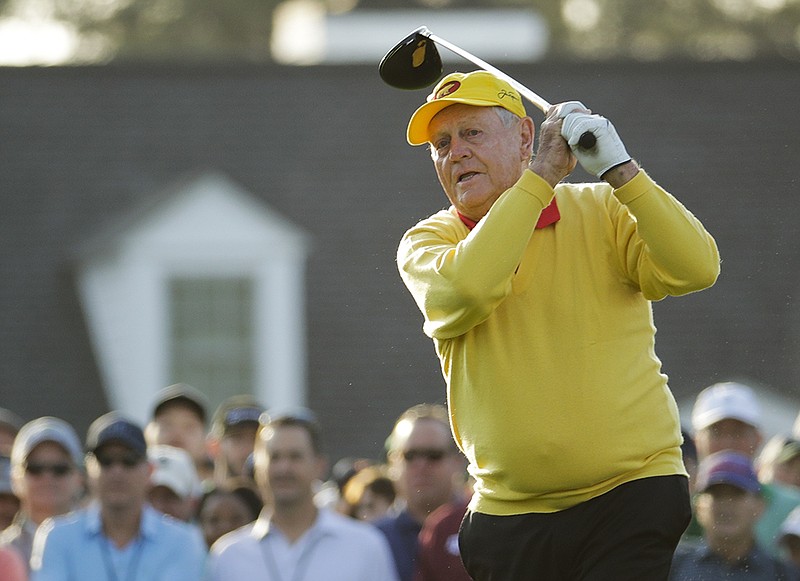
<point x="587" y="140"/>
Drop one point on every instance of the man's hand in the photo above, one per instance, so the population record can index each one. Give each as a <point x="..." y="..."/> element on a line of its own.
<point x="609" y="150"/>
<point x="554" y="160"/>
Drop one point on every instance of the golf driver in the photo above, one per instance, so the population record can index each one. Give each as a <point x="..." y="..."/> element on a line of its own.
<point x="414" y="63"/>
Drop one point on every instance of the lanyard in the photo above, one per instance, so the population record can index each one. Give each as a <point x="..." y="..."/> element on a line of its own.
<point x="303" y="561"/>
<point x="111" y="570"/>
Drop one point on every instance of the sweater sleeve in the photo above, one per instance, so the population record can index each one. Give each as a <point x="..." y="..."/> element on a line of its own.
<point x="664" y="249"/>
<point x="457" y="280"/>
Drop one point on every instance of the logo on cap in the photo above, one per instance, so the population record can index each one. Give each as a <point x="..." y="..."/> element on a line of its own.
<point x="448" y="89"/>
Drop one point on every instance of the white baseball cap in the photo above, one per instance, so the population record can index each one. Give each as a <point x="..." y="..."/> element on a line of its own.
<point x="723" y="401"/>
<point x="174" y="469"/>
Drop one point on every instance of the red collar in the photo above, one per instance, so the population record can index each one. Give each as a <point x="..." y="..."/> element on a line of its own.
<point x="550" y="215"/>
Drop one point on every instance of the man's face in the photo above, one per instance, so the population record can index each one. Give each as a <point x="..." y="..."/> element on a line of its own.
<point x="236" y="445"/>
<point x="178" y="425"/>
<point x="728" y="434"/>
<point x="728" y="513"/>
<point x="166" y="500"/>
<point x="119" y="477"/>
<point x="290" y="463"/>
<point x="222" y="513"/>
<point x="49" y="483"/>
<point x="426" y="463"/>
<point x="476" y="156"/>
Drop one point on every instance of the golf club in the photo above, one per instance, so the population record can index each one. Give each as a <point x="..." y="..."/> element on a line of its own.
<point x="414" y="63"/>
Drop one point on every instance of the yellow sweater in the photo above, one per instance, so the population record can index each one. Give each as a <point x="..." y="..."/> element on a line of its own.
<point x="546" y="337"/>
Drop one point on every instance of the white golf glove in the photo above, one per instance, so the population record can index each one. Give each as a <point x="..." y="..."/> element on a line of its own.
<point x="609" y="150"/>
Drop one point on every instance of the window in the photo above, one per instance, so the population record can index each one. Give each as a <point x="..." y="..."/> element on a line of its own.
<point x="211" y="335"/>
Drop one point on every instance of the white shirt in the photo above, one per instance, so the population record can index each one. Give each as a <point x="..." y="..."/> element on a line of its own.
<point x="335" y="548"/>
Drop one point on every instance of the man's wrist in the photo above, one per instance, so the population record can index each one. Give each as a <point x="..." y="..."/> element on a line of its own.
<point x="621" y="174"/>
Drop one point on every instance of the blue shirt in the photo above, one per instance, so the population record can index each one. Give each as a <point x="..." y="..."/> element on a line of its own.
<point x="335" y="548"/>
<point x="402" y="532"/>
<point x="699" y="563"/>
<point x="74" y="548"/>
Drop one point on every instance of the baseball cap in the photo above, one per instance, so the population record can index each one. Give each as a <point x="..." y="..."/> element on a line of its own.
<point x="174" y="469"/>
<point x="479" y="88"/>
<point x="182" y="392"/>
<point x="727" y="467"/>
<point x="234" y="411"/>
<point x="113" y="427"/>
<point x="723" y="401"/>
<point x="791" y="526"/>
<point x="46" y="429"/>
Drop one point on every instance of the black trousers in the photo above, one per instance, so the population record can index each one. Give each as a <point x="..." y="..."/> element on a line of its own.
<point x="627" y="534"/>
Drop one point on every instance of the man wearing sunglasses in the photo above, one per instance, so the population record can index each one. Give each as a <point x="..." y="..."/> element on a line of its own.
<point x="46" y="475"/>
<point x="118" y="537"/>
<point x="427" y="469"/>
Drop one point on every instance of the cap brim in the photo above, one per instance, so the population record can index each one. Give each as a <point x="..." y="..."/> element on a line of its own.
<point x="417" y="133"/>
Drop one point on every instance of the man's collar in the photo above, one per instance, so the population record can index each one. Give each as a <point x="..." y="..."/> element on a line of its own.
<point x="550" y="215"/>
<point x="263" y="524"/>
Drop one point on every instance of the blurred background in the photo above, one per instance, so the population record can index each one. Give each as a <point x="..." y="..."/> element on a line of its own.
<point x="212" y="192"/>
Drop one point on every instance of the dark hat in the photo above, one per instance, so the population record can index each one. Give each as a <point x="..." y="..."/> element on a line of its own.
<point x="727" y="467"/>
<point x="10" y="420"/>
<point x="234" y="411"/>
<point x="182" y="392"/>
<point x="113" y="427"/>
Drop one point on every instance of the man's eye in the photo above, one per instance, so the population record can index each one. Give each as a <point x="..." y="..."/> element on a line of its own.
<point x="472" y="132"/>
<point x="440" y="144"/>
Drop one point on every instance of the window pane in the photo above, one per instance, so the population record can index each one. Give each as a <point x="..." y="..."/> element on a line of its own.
<point x="212" y="335"/>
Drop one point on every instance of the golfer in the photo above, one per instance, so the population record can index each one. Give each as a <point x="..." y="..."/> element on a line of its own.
<point x="537" y="297"/>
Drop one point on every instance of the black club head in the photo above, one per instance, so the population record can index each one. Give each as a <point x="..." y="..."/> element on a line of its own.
<point x="414" y="63"/>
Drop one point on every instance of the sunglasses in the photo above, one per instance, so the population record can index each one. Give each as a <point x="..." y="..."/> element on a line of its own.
<point x="126" y="460"/>
<point x="57" y="470"/>
<point x="430" y="454"/>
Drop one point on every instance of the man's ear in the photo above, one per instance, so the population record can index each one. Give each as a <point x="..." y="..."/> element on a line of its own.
<point x="527" y="134"/>
<point x="213" y="446"/>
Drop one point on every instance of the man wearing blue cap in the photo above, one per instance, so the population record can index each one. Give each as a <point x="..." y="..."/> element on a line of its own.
<point x="537" y="295"/>
<point x="118" y="537"/>
<point x="728" y="504"/>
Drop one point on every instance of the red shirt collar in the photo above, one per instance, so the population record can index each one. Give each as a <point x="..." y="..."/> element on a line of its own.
<point x="550" y="215"/>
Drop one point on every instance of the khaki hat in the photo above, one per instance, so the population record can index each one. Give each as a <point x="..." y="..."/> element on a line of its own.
<point x="478" y="88"/>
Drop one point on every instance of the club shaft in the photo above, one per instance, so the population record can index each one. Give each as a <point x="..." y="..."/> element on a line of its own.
<point x="540" y="103"/>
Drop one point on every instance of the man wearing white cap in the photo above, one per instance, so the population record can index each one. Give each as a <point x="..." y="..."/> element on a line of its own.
<point x="537" y="295"/>
<point x="47" y="476"/>
<point x="174" y="484"/>
<point x="727" y="416"/>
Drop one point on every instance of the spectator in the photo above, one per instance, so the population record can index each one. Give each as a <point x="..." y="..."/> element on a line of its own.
<point x="233" y="435"/>
<point x="439" y="557"/>
<point x="227" y="507"/>
<point x="47" y="476"/>
<point x="10" y="423"/>
<point x="174" y="485"/>
<point x="9" y="503"/>
<point x="428" y="471"/>
<point x="179" y="419"/>
<point x="727" y="416"/>
<point x="779" y="462"/>
<point x="369" y="494"/>
<point x="728" y="504"/>
<point x="119" y="536"/>
<point x="295" y="539"/>
<point x="789" y="539"/>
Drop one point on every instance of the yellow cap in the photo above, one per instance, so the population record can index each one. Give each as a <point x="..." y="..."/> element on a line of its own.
<point x="478" y="88"/>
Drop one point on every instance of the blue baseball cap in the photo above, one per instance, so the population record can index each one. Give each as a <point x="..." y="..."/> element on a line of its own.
<point x="727" y="467"/>
<point x="113" y="427"/>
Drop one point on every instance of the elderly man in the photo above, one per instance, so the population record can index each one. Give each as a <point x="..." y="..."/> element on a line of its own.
<point x="537" y="297"/>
